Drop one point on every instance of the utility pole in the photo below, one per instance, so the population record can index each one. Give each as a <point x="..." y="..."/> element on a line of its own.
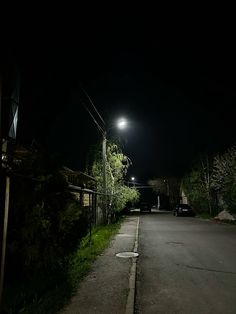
<point x="121" y="124"/>
<point x="12" y="134"/>
<point x="104" y="175"/>
<point x="6" y="208"/>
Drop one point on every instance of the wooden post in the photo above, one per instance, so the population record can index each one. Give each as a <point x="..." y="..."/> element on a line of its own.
<point x="4" y="238"/>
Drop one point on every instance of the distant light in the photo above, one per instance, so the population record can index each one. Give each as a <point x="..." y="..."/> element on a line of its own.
<point x="132" y="178"/>
<point x="122" y="123"/>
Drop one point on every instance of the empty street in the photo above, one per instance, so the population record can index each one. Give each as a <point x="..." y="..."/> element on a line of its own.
<point x="186" y="265"/>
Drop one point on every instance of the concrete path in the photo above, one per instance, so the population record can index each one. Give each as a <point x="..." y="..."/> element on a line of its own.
<point x="109" y="287"/>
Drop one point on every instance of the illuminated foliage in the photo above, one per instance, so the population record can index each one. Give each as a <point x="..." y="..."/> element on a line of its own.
<point x="212" y="183"/>
<point x="224" y="178"/>
<point x="116" y="168"/>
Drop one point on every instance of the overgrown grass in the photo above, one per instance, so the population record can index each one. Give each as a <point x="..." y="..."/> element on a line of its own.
<point x="80" y="261"/>
<point x="76" y="267"/>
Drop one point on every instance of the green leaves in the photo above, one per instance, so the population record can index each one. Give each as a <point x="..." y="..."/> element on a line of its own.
<point x="123" y="196"/>
<point x="213" y="179"/>
<point x="116" y="169"/>
<point x="224" y="178"/>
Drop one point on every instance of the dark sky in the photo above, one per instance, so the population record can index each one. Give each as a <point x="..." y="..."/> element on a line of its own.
<point x="178" y="92"/>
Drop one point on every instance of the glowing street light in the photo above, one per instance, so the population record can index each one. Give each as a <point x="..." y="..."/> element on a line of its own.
<point x="133" y="180"/>
<point x="122" y="123"/>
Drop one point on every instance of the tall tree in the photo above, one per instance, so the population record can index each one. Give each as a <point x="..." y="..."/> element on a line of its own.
<point x="116" y="168"/>
<point x="197" y="185"/>
<point x="206" y="180"/>
<point x="224" y="178"/>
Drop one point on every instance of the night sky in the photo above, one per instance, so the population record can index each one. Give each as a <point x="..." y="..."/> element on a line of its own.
<point x="178" y="92"/>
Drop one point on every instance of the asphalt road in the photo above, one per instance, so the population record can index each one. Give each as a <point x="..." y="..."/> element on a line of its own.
<point x="186" y="265"/>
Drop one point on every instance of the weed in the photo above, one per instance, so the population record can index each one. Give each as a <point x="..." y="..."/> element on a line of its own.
<point x="77" y="265"/>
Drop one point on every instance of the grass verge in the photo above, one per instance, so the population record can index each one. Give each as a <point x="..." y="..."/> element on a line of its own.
<point x="76" y="267"/>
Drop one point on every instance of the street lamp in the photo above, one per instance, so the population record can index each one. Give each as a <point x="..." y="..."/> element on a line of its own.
<point x="133" y="180"/>
<point x="121" y="124"/>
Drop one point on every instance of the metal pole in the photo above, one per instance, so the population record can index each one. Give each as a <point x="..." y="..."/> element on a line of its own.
<point x="104" y="162"/>
<point x="4" y="238"/>
<point x="0" y="125"/>
<point x="1" y="278"/>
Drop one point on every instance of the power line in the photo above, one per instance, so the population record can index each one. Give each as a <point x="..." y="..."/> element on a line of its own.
<point x="94" y="120"/>
<point x="94" y="107"/>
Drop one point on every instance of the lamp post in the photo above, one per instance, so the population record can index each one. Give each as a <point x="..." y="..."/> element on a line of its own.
<point x="133" y="180"/>
<point x="104" y="174"/>
<point x="121" y="124"/>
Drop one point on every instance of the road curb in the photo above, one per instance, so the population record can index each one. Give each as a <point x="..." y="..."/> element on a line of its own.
<point x="132" y="279"/>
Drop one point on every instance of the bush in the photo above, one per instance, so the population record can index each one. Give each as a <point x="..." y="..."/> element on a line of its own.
<point x="224" y="178"/>
<point x="230" y="198"/>
<point x="48" y="292"/>
<point x="46" y="223"/>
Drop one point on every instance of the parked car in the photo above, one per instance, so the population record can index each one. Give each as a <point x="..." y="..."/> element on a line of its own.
<point x="145" y="207"/>
<point x="183" y="210"/>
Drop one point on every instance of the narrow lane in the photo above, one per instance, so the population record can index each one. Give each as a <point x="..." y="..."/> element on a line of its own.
<point x="186" y="265"/>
